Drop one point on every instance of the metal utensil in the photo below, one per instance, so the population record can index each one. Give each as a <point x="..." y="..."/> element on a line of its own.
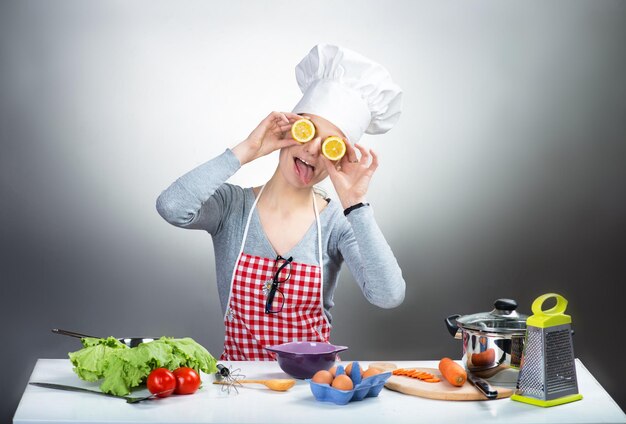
<point x="228" y="377"/>
<point x="70" y="388"/>
<point x="492" y="341"/>
<point x="548" y="374"/>
<point x="141" y="399"/>
<point x="129" y="399"/>
<point x="128" y="341"/>
<point x="70" y="333"/>
<point x="482" y="386"/>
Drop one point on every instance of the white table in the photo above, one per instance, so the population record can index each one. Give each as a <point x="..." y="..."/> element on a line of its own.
<point x="255" y="404"/>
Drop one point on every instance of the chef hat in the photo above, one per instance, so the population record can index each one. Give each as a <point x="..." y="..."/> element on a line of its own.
<point x="354" y="93"/>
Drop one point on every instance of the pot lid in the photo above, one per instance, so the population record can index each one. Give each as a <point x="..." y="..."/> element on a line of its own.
<point x="503" y="319"/>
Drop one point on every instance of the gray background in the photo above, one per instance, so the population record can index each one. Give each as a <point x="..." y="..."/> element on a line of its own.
<point x="504" y="177"/>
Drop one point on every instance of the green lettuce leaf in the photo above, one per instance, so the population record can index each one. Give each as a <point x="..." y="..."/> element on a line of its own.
<point x="90" y="362"/>
<point x="195" y="356"/>
<point x="115" y="376"/>
<point x="109" y="341"/>
<point x="123" y="368"/>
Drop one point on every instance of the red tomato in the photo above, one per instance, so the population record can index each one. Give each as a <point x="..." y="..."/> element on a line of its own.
<point x="187" y="381"/>
<point x="161" y="382"/>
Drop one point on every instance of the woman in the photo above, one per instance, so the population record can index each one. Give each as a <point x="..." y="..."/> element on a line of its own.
<point x="279" y="247"/>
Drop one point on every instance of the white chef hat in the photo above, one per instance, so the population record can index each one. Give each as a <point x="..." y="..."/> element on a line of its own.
<point x="354" y="93"/>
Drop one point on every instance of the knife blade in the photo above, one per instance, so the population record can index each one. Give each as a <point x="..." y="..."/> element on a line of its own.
<point x="482" y="386"/>
<point x="128" y="399"/>
<point x="72" y="389"/>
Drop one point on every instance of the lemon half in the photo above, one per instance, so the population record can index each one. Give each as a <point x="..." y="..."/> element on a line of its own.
<point x="303" y="130"/>
<point x="334" y="148"/>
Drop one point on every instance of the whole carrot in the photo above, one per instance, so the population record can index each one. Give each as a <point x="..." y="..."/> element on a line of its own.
<point x="453" y="372"/>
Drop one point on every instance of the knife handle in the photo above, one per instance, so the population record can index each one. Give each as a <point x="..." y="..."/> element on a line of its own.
<point x="484" y="387"/>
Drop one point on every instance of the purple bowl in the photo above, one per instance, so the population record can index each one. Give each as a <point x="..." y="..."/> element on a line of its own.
<point x="303" y="359"/>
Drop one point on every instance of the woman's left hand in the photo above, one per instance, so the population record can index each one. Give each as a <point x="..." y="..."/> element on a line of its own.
<point x="350" y="175"/>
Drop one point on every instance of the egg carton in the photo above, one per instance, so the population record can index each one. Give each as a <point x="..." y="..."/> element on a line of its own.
<point x="363" y="388"/>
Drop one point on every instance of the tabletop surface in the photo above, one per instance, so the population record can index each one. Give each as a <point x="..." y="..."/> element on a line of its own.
<point x="256" y="404"/>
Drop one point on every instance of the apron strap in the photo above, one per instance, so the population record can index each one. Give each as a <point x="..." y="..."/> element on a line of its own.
<point x="245" y="231"/>
<point x="319" y="251"/>
<point x="321" y="258"/>
<point x="243" y="243"/>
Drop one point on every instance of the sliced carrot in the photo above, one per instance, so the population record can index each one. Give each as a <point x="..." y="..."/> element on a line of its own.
<point x="417" y="374"/>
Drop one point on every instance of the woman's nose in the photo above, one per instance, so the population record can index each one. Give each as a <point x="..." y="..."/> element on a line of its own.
<point x="314" y="146"/>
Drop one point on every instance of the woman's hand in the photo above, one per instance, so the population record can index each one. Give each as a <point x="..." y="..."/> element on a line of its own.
<point x="273" y="133"/>
<point x="351" y="176"/>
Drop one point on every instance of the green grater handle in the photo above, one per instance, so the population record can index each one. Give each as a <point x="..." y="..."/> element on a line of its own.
<point x="558" y="309"/>
<point x="551" y="317"/>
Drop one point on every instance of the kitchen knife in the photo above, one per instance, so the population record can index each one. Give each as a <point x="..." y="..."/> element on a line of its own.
<point x="128" y="399"/>
<point x="482" y="386"/>
<point x="72" y="389"/>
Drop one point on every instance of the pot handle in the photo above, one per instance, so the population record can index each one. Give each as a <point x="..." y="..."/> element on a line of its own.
<point x="453" y="328"/>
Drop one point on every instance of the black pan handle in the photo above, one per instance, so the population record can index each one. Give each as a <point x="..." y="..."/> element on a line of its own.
<point x="70" y="333"/>
<point x="452" y="327"/>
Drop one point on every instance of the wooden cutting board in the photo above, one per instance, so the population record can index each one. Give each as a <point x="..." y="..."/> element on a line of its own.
<point x="442" y="390"/>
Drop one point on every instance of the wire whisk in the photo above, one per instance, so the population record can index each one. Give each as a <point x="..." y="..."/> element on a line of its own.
<point x="229" y="378"/>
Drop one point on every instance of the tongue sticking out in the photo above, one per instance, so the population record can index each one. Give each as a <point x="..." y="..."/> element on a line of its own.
<point x="304" y="171"/>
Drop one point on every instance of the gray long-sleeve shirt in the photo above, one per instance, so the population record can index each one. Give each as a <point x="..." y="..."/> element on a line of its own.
<point x="201" y="199"/>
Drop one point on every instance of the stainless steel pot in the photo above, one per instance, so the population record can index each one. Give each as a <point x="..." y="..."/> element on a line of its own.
<point x="493" y="342"/>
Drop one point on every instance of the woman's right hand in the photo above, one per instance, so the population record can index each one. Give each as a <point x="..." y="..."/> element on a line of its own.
<point x="273" y="133"/>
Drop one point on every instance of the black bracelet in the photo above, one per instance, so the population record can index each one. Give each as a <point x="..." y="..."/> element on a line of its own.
<point x="353" y="207"/>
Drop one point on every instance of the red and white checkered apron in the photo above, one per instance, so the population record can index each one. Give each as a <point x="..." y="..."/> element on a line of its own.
<point x="249" y="329"/>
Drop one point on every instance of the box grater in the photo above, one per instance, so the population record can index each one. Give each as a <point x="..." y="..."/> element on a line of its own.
<point x="548" y="375"/>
